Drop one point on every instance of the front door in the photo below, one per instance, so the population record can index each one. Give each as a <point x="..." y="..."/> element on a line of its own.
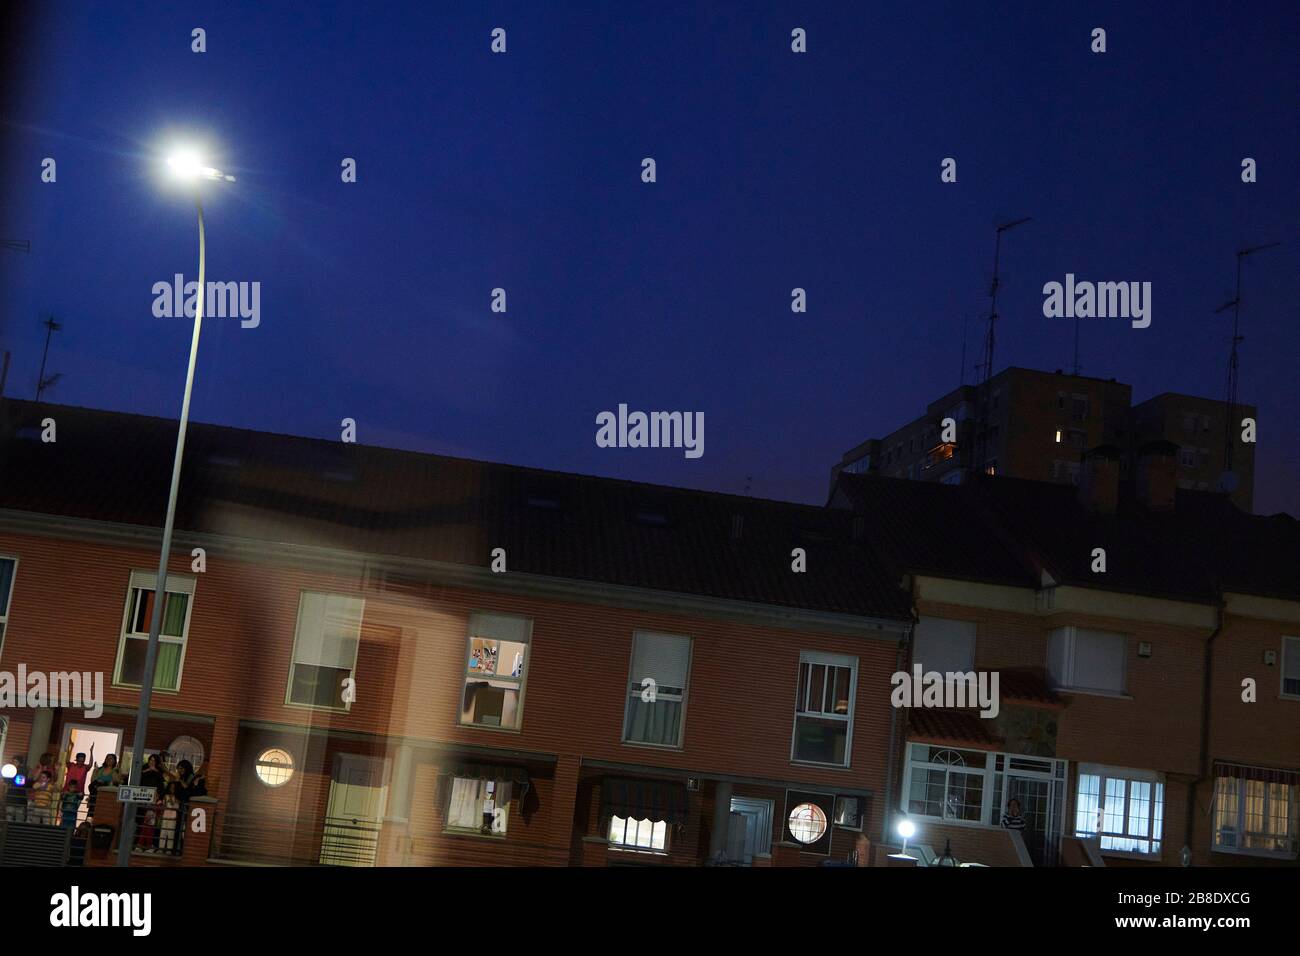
<point x="1035" y="796"/>
<point x="356" y="806"/>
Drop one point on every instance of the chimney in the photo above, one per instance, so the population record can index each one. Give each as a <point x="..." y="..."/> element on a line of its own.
<point x="1099" y="479"/>
<point x="1157" y="475"/>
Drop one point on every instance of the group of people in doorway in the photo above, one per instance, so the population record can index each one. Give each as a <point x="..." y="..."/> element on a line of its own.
<point x="36" y="797"/>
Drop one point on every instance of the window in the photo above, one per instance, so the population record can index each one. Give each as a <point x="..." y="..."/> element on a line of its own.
<point x="481" y="806"/>
<point x="807" y="823"/>
<point x="324" y="649"/>
<point x="1078" y="408"/>
<point x="274" y="767"/>
<point x="1078" y="439"/>
<point x="946" y="782"/>
<point x="1085" y="660"/>
<point x="1125" y="808"/>
<point x="184" y="747"/>
<point x="848" y="813"/>
<point x="1187" y="457"/>
<point x="1291" y="667"/>
<point x="656" y="695"/>
<point x="1256" y="815"/>
<point x="495" y="670"/>
<point x="171" y="637"/>
<point x="1058" y="436"/>
<point x="808" y="820"/>
<point x="823" y="722"/>
<point x="8" y="568"/>
<point x="944" y="646"/>
<point x="638" y="834"/>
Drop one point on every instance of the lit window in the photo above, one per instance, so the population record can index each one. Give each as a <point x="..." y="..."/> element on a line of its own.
<point x="482" y="806"/>
<point x="807" y="823"/>
<point x="1256" y="815"/>
<point x="325" y="649"/>
<point x="134" y="640"/>
<point x="638" y="834"/>
<point x="495" y="670"/>
<point x="823" y="722"/>
<point x="946" y="783"/>
<point x="1123" y="808"/>
<point x="274" y="767"/>
<point x="1058" y="436"/>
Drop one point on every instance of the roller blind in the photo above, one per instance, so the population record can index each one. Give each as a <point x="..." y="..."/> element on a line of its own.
<point x="329" y="628"/>
<point x="943" y="645"/>
<point x="663" y="657"/>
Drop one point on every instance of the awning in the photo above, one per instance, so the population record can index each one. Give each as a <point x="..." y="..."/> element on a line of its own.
<point x="645" y="800"/>
<point x="1290" y="778"/>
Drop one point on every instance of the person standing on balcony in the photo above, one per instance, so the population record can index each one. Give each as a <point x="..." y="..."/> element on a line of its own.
<point x="1014" y="819"/>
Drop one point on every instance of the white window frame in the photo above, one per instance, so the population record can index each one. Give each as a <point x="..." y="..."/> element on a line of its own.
<point x="521" y="682"/>
<point x="148" y="581"/>
<point x="1070" y="633"/>
<point x="1129" y="777"/>
<point x="625" y="847"/>
<point x="493" y="833"/>
<point x="634" y="688"/>
<point x="986" y="772"/>
<point x="1241" y="783"/>
<point x="1290" y="646"/>
<point x="828" y="660"/>
<point x="9" y="599"/>
<point x="293" y="654"/>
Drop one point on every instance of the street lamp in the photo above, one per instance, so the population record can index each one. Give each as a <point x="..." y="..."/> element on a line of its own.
<point x="188" y="168"/>
<point x="907" y="830"/>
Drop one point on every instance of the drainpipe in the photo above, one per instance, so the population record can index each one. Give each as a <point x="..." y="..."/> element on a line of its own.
<point x="891" y="807"/>
<point x="1203" y="762"/>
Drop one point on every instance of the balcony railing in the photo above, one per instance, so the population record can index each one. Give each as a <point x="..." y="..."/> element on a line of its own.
<point x="264" y="838"/>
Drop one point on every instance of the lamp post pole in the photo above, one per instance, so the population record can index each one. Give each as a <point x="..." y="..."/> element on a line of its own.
<point x="160" y="585"/>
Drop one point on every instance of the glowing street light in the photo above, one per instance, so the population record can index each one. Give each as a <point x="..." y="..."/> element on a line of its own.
<point x="907" y="830"/>
<point x="185" y="166"/>
<point x="9" y="771"/>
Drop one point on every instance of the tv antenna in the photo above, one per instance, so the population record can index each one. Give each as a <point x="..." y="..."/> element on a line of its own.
<point x="1233" y="357"/>
<point x="42" y="383"/>
<point x="990" y="343"/>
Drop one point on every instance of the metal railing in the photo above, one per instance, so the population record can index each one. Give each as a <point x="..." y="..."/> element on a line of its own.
<point x="260" y="837"/>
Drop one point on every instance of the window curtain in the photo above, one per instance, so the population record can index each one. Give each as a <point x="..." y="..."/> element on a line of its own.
<point x="469" y="800"/>
<point x="657" y="722"/>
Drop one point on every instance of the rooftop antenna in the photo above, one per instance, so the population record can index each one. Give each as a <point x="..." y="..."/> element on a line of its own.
<point x="990" y="342"/>
<point x="1237" y="338"/>
<point x="42" y="383"/>
<point x="18" y="245"/>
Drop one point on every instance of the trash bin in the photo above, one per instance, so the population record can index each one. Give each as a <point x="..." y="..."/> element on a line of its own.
<point x="101" y="837"/>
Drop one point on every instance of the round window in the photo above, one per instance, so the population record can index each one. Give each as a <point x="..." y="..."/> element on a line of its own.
<point x="807" y="823"/>
<point x="274" y="767"/>
<point x="184" y="747"/>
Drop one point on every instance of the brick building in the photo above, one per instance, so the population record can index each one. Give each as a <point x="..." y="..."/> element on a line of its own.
<point x="647" y="680"/>
<point x="1037" y="425"/>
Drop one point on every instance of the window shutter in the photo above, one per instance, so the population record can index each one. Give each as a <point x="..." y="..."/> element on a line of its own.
<point x="664" y="657"/>
<point x="943" y="645"/>
<point x="329" y="627"/>
<point x="499" y="627"/>
<point x="1099" y="659"/>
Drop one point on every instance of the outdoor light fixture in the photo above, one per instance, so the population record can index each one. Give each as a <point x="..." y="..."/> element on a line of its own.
<point x="907" y="830"/>
<point x="187" y="165"/>
<point x="8" y="771"/>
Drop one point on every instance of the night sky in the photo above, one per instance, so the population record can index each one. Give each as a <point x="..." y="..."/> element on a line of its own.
<point x="775" y="170"/>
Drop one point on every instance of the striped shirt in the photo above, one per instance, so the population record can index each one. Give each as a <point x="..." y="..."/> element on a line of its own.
<point x="1013" y="823"/>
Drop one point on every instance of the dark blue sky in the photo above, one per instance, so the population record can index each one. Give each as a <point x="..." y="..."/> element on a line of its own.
<point x="775" y="170"/>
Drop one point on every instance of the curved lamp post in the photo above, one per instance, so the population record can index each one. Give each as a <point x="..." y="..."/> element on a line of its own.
<point x="186" y="167"/>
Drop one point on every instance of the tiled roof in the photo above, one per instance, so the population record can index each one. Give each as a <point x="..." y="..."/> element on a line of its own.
<point x="116" y="467"/>
<point x="1010" y="530"/>
<point x="959" y="728"/>
<point x="1027" y="685"/>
